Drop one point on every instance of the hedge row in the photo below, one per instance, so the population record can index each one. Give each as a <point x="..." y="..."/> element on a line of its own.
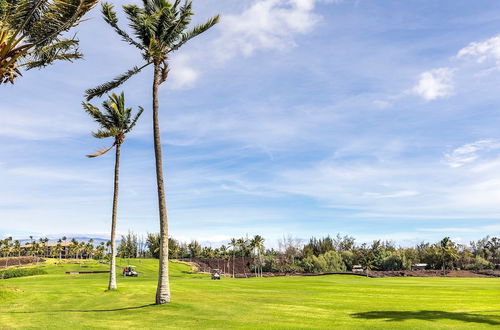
<point x="21" y="272"/>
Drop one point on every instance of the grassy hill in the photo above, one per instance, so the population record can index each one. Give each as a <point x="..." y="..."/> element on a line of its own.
<point x="57" y="300"/>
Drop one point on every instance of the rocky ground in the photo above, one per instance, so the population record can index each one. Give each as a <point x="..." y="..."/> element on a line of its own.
<point x="18" y="261"/>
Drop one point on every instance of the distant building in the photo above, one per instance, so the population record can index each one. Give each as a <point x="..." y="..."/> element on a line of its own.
<point x="49" y="247"/>
<point x="418" y="267"/>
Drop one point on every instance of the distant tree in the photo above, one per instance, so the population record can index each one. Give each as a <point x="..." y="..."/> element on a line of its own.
<point x="129" y="246"/>
<point x="448" y="252"/>
<point x="194" y="249"/>
<point x="153" y="245"/>
<point x="234" y="246"/>
<point x="16" y="248"/>
<point x="100" y="251"/>
<point x="257" y="244"/>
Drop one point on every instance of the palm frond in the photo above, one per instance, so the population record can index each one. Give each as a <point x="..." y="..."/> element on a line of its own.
<point x="101" y="152"/>
<point x="108" y="86"/>
<point x="194" y="32"/>
<point x="61" y="49"/>
<point x="96" y="114"/>
<point x="134" y="121"/>
<point x="59" y="17"/>
<point x="110" y="18"/>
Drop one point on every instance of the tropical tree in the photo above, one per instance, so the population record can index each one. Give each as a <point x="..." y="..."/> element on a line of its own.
<point x="257" y="244"/>
<point x="116" y="121"/>
<point x="243" y="247"/>
<point x="16" y="248"/>
<point x="31" y="34"/>
<point x="73" y="248"/>
<point x="234" y="245"/>
<point x="57" y="249"/>
<point x="448" y="252"/>
<point x="161" y="27"/>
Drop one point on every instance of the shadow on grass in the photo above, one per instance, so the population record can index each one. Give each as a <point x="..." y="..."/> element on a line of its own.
<point x="398" y="316"/>
<point x="82" y="310"/>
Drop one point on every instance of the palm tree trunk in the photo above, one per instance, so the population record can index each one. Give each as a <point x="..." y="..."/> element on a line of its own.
<point x="112" y="266"/>
<point x="163" y="289"/>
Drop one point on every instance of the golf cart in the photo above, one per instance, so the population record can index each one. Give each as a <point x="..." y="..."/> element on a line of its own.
<point x="130" y="271"/>
<point x="216" y="274"/>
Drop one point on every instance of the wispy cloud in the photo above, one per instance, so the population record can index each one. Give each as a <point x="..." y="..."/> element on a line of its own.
<point x="482" y="51"/>
<point x="470" y="152"/>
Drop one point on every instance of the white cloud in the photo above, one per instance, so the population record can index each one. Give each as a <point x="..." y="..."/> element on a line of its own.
<point x="470" y="152"/>
<point x="435" y="84"/>
<point x="482" y="51"/>
<point x="182" y="74"/>
<point x="265" y="25"/>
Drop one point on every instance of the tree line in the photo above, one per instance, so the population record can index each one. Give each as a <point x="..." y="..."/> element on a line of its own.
<point x="326" y="254"/>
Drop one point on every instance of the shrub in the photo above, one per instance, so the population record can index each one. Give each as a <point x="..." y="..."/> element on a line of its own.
<point x="290" y="268"/>
<point x="393" y="262"/>
<point x="331" y="261"/>
<point x="480" y="263"/>
<point x="21" y="272"/>
<point x="348" y="259"/>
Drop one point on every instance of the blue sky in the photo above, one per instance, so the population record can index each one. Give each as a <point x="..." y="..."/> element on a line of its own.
<point x="378" y="119"/>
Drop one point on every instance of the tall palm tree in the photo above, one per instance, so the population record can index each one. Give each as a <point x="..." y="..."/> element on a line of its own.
<point x="31" y="33"/>
<point x="115" y="122"/>
<point x="161" y="27"/>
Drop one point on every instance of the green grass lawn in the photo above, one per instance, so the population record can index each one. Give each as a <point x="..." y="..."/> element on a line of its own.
<point x="57" y="300"/>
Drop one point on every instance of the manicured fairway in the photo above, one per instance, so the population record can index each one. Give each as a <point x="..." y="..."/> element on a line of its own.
<point x="57" y="300"/>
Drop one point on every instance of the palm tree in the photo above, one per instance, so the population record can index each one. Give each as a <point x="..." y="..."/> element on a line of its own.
<point x="234" y="245"/>
<point x="257" y="244"/>
<point x="243" y="246"/>
<point x="73" y="248"/>
<point x="161" y="27"/>
<point x="31" y="33"/>
<point x="58" y="249"/>
<point x="116" y="122"/>
<point x="16" y="248"/>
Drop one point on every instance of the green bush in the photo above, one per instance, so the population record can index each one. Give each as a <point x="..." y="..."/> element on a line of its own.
<point x="331" y="261"/>
<point x="21" y="272"/>
<point x="480" y="263"/>
<point x="290" y="268"/>
<point x="393" y="262"/>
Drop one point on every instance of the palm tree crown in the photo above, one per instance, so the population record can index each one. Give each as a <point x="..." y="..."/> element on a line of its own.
<point x="116" y="121"/>
<point x="30" y="33"/>
<point x="160" y="27"/>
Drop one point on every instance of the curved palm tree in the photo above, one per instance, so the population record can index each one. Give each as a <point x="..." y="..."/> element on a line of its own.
<point x="31" y="33"/>
<point x="161" y="27"/>
<point x="116" y="121"/>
